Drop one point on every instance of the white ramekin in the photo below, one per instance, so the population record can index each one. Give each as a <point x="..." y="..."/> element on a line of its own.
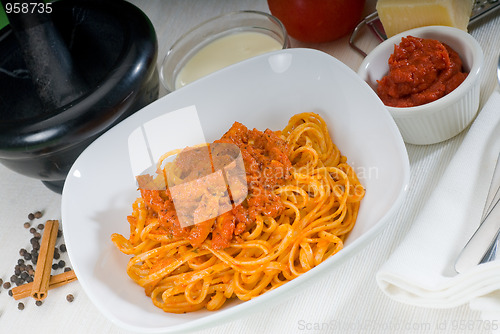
<point x="446" y="117"/>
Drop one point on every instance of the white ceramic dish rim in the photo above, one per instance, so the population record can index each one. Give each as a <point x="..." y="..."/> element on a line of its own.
<point x="273" y="296"/>
<point x="452" y="97"/>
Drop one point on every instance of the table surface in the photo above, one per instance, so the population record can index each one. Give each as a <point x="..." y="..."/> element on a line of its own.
<point x="348" y="299"/>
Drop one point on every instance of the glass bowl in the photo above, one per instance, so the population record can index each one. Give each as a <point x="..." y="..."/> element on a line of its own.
<point x="240" y="35"/>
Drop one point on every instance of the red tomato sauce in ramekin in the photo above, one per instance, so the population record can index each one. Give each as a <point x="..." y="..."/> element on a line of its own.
<point x="420" y="71"/>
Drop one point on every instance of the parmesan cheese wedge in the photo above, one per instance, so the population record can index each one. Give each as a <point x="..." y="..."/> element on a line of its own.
<point x="401" y="15"/>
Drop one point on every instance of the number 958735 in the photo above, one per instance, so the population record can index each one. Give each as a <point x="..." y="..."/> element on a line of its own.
<point x="27" y="7"/>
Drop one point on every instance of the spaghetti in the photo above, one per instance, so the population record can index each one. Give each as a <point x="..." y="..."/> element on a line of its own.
<point x="291" y="221"/>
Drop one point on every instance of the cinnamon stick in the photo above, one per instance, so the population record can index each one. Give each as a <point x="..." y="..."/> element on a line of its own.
<point x="55" y="281"/>
<point x="41" y="280"/>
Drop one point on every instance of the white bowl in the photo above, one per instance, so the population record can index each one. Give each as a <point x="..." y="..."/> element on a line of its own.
<point x="262" y="92"/>
<point x="446" y="117"/>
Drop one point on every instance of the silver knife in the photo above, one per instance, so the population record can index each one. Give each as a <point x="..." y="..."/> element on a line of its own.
<point x="482" y="245"/>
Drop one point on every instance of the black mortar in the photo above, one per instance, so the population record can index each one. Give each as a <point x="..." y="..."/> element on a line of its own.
<point x="106" y="61"/>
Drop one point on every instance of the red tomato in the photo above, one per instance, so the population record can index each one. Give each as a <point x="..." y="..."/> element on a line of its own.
<point x="317" y="21"/>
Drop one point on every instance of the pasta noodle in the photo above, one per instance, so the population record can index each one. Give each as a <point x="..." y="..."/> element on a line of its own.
<point x="317" y="200"/>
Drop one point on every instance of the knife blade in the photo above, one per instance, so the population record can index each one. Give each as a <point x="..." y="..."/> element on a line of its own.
<point x="482" y="245"/>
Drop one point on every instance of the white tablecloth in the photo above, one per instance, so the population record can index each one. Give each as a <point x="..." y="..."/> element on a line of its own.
<point x="346" y="301"/>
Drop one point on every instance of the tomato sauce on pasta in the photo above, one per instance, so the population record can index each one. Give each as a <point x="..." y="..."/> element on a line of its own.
<point x="302" y="202"/>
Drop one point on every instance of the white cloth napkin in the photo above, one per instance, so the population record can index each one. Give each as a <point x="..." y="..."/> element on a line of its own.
<point x="421" y="270"/>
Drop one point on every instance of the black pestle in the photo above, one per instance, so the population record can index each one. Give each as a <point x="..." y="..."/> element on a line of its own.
<point x="55" y="78"/>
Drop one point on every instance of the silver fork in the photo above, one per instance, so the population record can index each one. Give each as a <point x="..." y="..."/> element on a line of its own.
<point x="482" y="245"/>
<point x="490" y="226"/>
<point x="491" y="253"/>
